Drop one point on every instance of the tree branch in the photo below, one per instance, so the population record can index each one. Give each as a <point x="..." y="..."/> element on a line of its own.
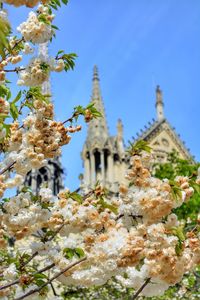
<point x="7" y="168"/>
<point x="140" y="289"/>
<point x="56" y="232"/>
<point x="28" y="260"/>
<point x="3" y="287"/>
<point x="13" y="48"/>
<point x="36" y="290"/>
<point x="17" y="70"/>
<point x="133" y="216"/>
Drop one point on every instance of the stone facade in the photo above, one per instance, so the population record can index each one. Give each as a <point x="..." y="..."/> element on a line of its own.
<point x="161" y="136"/>
<point x="104" y="156"/>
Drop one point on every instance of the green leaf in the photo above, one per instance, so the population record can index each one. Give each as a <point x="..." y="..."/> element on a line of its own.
<point x="4" y="91"/>
<point x="138" y="147"/>
<point x="35" y="93"/>
<point x="175" y="189"/>
<point x="60" y="52"/>
<point x="17" y="98"/>
<point x="39" y="282"/>
<point x="178" y="231"/>
<point x="3" y="201"/>
<point x="69" y="61"/>
<point x="55" y="27"/>
<point x="195" y="186"/>
<point x="5" y="31"/>
<point x="76" y="197"/>
<point x="79" y="252"/>
<point x="55" y="4"/>
<point x="68" y="253"/>
<point x="40" y="275"/>
<point x="26" y="189"/>
<point x="14" y="111"/>
<point x="43" y="18"/>
<point x="7" y="128"/>
<point x="44" y="67"/>
<point x="179" y="248"/>
<point x="105" y="205"/>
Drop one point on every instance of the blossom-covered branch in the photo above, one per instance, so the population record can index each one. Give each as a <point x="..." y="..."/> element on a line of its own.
<point x="51" y="279"/>
<point x="132" y="236"/>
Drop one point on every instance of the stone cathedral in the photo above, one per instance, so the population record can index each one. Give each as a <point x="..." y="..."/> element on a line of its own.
<point x="104" y="156"/>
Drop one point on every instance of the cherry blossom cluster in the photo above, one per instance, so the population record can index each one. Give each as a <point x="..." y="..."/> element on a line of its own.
<point x="147" y="196"/>
<point x="161" y="262"/>
<point x="30" y="145"/>
<point x="22" y="216"/>
<point x="35" y="29"/>
<point x="35" y="73"/>
<point x="38" y="70"/>
<point x="114" y="245"/>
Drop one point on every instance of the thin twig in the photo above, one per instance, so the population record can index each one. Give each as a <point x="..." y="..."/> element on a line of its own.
<point x="3" y="287"/>
<point x="7" y="168"/>
<point x="88" y="195"/>
<point x="56" y="232"/>
<point x="45" y="269"/>
<point x="53" y="289"/>
<point x="13" y="48"/>
<point x="36" y="290"/>
<point x="140" y="289"/>
<point x="17" y="70"/>
<point x="28" y="260"/>
<point x="133" y="216"/>
<point x="71" y="118"/>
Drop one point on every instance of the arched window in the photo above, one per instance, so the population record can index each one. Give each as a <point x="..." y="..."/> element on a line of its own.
<point x="56" y="184"/>
<point x="97" y="157"/>
<point x="28" y="180"/>
<point x="42" y="177"/>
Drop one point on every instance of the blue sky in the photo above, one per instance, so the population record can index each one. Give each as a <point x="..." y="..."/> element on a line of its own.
<point x="136" y="44"/>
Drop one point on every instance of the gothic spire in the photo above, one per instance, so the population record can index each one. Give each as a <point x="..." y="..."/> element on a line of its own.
<point x="97" y="127"/>
<point x="159" y="104"/>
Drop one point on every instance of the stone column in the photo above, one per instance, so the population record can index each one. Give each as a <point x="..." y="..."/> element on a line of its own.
<point x="87" y="171"/>
<point x="110" y="168"/>
<point x="102" y="167"/>
<point x="51" y="182"/>
<point x="34" y="180"/>
<point x="93" y="173"/>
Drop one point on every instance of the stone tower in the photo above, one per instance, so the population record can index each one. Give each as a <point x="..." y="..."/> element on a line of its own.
<point x="159" y="104"/>
<point x="52" y="174"/>
<point x="103" y="155"/>
<point x="161" y="136"/>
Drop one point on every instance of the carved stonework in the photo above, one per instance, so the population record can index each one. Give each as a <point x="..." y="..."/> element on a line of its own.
<point x="51" y="176"/>
<point x="104" y="156"/>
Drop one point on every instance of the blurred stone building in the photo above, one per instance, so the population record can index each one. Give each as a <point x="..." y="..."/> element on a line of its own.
<point x="104" y="156"/>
